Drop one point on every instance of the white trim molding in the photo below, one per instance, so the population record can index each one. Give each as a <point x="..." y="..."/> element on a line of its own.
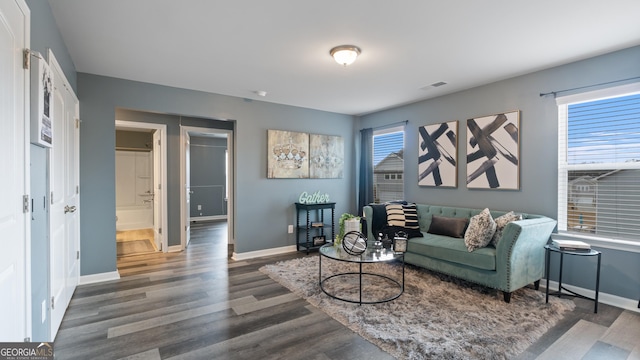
<point x="622" y="245"/>
<point x="260" y="253"/>
<point x="98" y="278"/>
<point x="174" y="248"/>
<point x="604" y="298"/>
<point x="208" y="218"/>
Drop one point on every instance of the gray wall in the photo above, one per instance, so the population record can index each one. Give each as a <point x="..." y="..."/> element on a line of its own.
<point x="45" y="35"/>
<point x="263" y="207"/>
<point x="208" y="180"/>
<point x="39" y="243"/>
<point x="538" y="150"/>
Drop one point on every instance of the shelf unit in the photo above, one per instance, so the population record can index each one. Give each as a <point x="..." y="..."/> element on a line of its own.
<point x="317" y="224"/>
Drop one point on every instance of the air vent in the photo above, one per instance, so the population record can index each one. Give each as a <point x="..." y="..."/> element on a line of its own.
<point x="434" y="85"/>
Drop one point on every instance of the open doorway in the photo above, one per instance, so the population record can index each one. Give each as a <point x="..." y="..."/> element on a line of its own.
<point x="141" y="212"/>
<point x="206" y="177"/>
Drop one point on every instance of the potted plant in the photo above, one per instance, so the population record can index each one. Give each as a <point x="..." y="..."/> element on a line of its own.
<point x="348" y="222"/>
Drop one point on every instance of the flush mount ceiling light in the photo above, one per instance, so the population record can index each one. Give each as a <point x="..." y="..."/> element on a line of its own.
<point x="345" y="54"/>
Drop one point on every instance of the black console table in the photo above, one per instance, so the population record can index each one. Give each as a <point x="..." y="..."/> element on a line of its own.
<point x="591" y="252"/>
<point x="316" y="227"/>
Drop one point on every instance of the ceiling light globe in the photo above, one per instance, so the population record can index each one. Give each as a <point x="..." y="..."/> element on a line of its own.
<point x="345" y="54"/>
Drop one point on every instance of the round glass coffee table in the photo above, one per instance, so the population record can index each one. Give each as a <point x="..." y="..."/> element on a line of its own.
<point x="370" y="256"/>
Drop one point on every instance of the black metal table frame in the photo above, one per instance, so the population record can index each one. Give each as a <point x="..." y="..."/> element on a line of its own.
<point x="360" y="273"/>
<point x="559" y="293"/>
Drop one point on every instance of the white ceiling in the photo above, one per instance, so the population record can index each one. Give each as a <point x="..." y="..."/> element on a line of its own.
<point x="237" y="47"/>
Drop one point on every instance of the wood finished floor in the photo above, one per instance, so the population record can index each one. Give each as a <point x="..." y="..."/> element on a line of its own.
<point x="135" y="242"/>
<point x="198" y="304"/>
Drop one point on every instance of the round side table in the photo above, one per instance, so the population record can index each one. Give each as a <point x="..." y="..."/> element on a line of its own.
<point x="591" y="252"/>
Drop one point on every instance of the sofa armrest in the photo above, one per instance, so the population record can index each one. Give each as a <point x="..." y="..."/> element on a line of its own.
<point x="367" y="212"/>
<point x="520" y="252"/>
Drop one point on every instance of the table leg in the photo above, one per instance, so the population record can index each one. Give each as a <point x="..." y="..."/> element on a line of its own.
<point x="546" y="268"/>
<point x="360" y="283"/>
<point x="402" y="273"/>
<point x="320" y="270"/>
<point x="560" y="276"/>
<point x="597" y="284"/>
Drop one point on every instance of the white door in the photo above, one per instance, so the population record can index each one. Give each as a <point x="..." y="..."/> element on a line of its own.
<point x="157" y="187"/>
<point x="187" y="186"/>
<point x="14" y="221"/>
<point x="64" y="220"/>
<point x="72" y="194"/>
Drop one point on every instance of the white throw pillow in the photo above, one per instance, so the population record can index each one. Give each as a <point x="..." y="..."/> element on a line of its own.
<point x="480" y="231"/>
<point x="501" y="223"/>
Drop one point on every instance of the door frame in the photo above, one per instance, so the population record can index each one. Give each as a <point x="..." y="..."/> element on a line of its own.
<point x="185" y="132"/>
<point x="20" y="323"/>
<point x="162" y="128"/>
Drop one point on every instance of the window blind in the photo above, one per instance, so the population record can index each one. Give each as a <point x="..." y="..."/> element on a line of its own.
<point x="388" y="165"/>
<point x="599" y="165"/>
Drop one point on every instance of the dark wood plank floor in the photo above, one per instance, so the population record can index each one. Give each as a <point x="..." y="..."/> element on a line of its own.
<point x="198" y="304"/>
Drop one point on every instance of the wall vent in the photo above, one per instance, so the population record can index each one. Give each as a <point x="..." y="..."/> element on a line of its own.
<point x="438" y="84"/>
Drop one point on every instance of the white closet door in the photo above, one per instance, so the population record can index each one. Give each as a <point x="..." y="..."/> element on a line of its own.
<point x="64" y="256"/>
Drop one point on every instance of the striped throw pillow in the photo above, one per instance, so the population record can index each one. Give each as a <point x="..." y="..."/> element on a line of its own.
<point x="405" y="216"/>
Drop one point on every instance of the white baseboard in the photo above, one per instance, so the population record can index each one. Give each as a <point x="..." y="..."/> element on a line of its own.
<point x="174" y="248"/>
<point x="101" y="277"/>
<point x="609" y="299"/>
<point x="265" y="252"/>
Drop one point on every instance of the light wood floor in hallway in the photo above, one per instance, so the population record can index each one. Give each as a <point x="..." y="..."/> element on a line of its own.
<point x="198" y="304"/>
<point x="135" y="242"/>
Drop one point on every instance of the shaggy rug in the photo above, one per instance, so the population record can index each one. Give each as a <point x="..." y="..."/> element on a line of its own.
<point x="437" y="317"/>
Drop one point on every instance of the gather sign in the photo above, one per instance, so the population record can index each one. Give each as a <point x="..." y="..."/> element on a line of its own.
<point x="315" y="198"/>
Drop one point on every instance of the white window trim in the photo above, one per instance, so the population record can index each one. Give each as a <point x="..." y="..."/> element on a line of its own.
<point x="563" y="168"/>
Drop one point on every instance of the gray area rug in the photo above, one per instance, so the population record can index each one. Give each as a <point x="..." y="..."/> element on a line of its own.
<point x="437" y="317"/>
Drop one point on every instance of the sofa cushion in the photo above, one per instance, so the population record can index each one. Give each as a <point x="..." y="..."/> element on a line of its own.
<point x="501" y="222"/>
<point x="448" y="226"/>
<point x="401" y="218"/>
<point x="405" y="216"/>
<point x="480" y="231"/>
<point x="453" y="250"/>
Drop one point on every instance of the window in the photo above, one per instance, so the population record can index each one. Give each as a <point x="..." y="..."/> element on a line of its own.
<point x="599" y="164"/>
<point x="388" y="164"/>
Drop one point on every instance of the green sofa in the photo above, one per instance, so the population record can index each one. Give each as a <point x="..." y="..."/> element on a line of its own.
<point x="518" y="259"/>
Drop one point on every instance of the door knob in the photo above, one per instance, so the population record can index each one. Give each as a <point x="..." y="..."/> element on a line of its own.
<point x="68" y="208"/>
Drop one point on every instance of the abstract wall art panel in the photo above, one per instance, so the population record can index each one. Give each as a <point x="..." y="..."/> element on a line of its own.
<point x="326" y="156"/>
<point x="493" y="156"/>
<point x="437" y="153"/>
